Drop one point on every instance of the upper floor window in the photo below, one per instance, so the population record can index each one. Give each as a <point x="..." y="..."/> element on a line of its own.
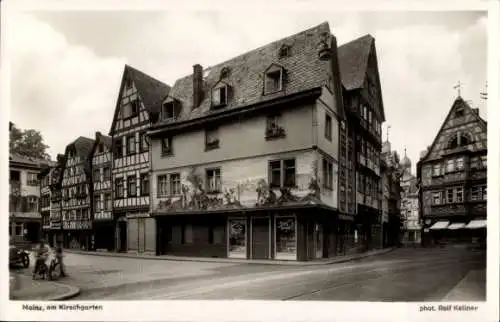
<point x="211" y="139"/>
<point x="454" y="195"/>
<point x="328" y="174"/>
<point x="143" y="144"/>
<point x="459" y="163"/>
<point x="119" y="188"/>
<point x="478" y="193"/>
<point x="32" y="179"/>
<point x="437" y="198"/>
<point x="169" y="185"/>
<point x="32" y="203"/>
<point x="273" y="79"/>
<point x="131" y="144"/>
<point x="118" y="148"/>
<point x="107" y="173"/>
<point x="328" y="127"/>
<point x="369" y="117"/>
<point x="274" y="128"/>
<point x="460" y="139"/>
<point x="97" y="202"/>
<point x="436" y="169"/>
<point x="144" y="184"/>
<point x="214" y="183"/>
<point x="131" y="186"/>
<point x="219" y="95"/>
<point x="130" y="109"/>
<point x="282" y="173"/>
<point x="97" y="174"/>
<point x="166" y="146"/>
<point x="100" y="148"/>
<point x="484" y="161"/>
<point x="168" y="111"/>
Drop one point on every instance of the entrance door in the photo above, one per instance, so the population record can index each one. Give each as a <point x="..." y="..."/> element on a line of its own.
<point x="122" y="226"/>
<point x="318" y="240"/>
<point x="260" y="238"/>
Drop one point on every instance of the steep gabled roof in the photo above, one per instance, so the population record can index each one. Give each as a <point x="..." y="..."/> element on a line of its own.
<point x="100" y="138"/>
<point x="303" y="69"/>
<point x="22" y="160"/>
<point x="459" y="102"/>
<point x="151" y="91"/>
<point x="82" y="147"/>
<point x="353" y="61"/>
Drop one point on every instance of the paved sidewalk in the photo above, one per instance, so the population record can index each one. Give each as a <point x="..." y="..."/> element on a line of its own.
<point x="471" y="288"/>
<point x="326" y="261"/>
<point x="24" y="288"/>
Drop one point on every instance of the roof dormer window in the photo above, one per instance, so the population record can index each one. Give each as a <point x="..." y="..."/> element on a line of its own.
<point x="168" y="111"/>
<point x="284" y="51"/>
<point x="274" y="77"/>
<point x="219" y="96"/>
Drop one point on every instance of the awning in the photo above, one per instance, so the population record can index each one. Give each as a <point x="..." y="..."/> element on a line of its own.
<point x="440" y="225"/>
<point x="457" y="225"/>
<point x="476" y="224"/>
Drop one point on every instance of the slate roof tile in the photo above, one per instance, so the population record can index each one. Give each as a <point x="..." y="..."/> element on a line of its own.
<point x="303" y="69"/>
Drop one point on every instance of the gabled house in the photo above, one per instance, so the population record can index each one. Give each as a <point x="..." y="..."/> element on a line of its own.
<point x="103" y="236"/>
<point x="361" y="144"/>
<point x="245" y="154"/>
<point x="138" y="105"/>
<point x="453" y="175"/>
<point x="77" y="189"/>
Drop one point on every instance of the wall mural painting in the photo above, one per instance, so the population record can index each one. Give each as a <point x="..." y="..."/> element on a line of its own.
<point x="246" y="194"/>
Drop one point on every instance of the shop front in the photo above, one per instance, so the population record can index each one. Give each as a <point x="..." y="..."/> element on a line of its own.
<point x="103" y="235"/>
<point x="288" y="235"/>
<point x="77" y="234"/>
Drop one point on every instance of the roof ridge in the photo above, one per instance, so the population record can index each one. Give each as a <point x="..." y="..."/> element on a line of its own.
<point x="135" y="70"/>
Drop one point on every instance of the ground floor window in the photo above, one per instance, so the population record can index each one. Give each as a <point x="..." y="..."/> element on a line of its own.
<point x="237" y="238"/>
<point x="286" y="242"/>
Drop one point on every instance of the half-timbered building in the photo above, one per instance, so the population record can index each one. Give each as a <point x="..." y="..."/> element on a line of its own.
<point x="55" y="181"/>
<point x="245" y="154"/>
<point x="77" y="190"/>
<point x="45" y="195"/>
<point x="138" y="104"/>
<point x="360" y="139"/>
<point x="452" y="175"/>
<point x="103" y="236"/>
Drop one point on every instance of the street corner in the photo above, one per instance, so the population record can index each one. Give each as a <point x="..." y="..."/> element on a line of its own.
<point x="23" y="287"/>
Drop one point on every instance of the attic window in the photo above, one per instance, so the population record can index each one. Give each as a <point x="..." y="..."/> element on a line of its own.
<point x="224" y="72"/>
<point x="128" y="83"/>
<point x="219" y="96"/>
<point x="130" y="109"/>
<point x="273" y="80"/>
<point x="100" y="148"/>
<point x="461" y="139"/>
<point x="459" y="112"/>
<point x="284" y="51"/>
<point x="168" y="111"/>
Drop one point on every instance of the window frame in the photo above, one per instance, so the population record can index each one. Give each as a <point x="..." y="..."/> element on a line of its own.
<point x="282" y="174"/>
<point x="328" y="126"/>
<point x="130" y="148"/>
<point x="270" y="77"/>
<point x="118" y="147"/>
<point x="144" y="178"/>
<point x="327" y="167"/>
<point x="217" y="93"/>
<point x="119" y="184"/>
<point x="131" y="183"/>
<point x="165" y="109"/>
<point x="215" y="143"/>
<point x="166" y="149"/>
<point x="216" y="178"/>
<point x="162" y="185"/>
<point x="33" y="181"/>
<point x="174" y="190"/>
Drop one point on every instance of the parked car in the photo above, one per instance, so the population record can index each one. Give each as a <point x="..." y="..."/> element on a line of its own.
<point x="18" y="256"/>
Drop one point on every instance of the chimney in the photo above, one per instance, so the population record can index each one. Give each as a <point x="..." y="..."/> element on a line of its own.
<point x="98" y="134"/>
<point x="197" y="85"/>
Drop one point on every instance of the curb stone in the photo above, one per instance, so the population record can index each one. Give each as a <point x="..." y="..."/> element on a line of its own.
<point x="73" y="292"/>
<point x="229" y="261"/>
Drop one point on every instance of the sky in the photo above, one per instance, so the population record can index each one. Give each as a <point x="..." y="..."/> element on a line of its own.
<point x="66" y="67"/>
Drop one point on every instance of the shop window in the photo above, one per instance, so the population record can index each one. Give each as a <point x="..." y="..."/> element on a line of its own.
<point x="216" y="235"/>
<point x="286" y="247"/>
